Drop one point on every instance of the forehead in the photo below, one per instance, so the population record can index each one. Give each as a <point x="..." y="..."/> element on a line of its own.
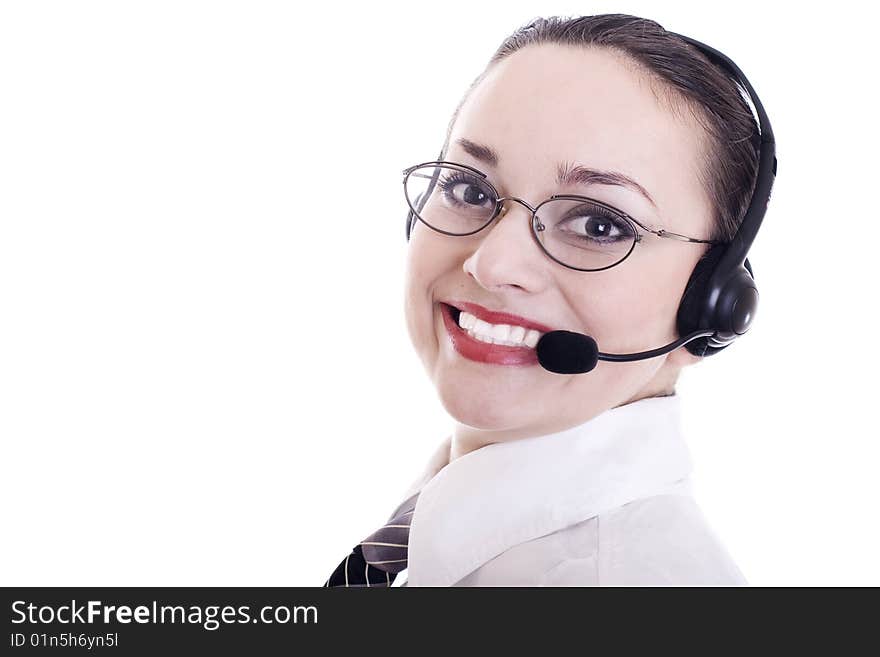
<point x="549" y="103"/>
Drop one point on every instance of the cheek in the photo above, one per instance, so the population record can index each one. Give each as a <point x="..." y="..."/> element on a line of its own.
<point x="416" y="305"/>
<point x="426" y="263"/>
<point x="634" y="309"/>
<point x="419" y="266"/>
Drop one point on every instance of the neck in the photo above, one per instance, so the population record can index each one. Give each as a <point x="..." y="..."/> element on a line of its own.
<point x="466" y="439"/>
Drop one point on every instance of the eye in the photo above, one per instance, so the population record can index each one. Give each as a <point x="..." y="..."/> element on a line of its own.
<point x="463" y="190"/>
<point x="595" y="224"/>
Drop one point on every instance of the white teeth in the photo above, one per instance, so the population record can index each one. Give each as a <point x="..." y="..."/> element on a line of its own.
<point x="484" y="328"/>
<point x="499" y="331"/>
<point x="504" y="334"/>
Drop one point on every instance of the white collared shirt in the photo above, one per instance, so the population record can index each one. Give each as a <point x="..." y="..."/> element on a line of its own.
<point x="607" y="502"/>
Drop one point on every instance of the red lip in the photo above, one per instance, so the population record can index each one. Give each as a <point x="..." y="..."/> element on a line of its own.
<point x="484" y="352"/>
<point x="499" y="318"/>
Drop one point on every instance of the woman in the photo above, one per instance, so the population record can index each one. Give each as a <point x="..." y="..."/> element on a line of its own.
<point x="555" y="479"/>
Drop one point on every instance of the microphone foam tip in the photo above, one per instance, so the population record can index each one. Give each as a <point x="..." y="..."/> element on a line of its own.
<point x="567" y="352"/>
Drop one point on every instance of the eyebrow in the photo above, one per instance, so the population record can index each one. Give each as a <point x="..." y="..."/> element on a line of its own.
<point x="567" y="173"/>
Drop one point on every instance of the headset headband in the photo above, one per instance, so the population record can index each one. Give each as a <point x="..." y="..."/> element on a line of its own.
<point x="735" y="254"/>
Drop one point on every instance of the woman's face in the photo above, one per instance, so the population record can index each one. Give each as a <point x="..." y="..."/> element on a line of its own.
<point x="542" y="106"/>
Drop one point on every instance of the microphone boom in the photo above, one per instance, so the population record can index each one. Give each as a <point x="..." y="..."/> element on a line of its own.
<point x="569" y="352"/>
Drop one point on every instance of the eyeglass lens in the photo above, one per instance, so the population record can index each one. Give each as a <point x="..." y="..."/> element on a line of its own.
<point x="576" y="232"/>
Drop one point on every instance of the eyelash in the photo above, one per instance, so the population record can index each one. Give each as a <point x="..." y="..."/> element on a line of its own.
<point x="453" y="179"/>
<point x="446" y="184"/>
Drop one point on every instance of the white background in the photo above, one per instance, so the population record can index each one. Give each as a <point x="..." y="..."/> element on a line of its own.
<point x="195" y="389"/>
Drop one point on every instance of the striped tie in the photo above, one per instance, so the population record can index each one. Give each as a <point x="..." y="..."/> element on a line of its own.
<point x="380" y="555"/>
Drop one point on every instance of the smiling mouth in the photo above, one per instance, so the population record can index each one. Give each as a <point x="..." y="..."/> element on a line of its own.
<point x="502" y="336"/>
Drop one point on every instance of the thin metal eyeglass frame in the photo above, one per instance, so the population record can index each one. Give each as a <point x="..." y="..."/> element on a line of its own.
<point x="499" y="206"/>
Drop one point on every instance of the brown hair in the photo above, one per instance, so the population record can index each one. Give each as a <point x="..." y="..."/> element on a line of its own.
<point x="686" y="79"/>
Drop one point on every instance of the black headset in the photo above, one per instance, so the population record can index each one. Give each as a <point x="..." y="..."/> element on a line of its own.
<point x="721" y="294"/>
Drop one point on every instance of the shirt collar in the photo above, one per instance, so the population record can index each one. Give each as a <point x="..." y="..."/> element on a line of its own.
<point x="474" y="508"/>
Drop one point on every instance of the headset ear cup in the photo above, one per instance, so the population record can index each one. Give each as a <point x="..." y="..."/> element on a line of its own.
<point x="693" y="301"/>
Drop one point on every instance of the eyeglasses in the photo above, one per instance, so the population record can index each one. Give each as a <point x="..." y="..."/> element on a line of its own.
<point x="577" y="232"/>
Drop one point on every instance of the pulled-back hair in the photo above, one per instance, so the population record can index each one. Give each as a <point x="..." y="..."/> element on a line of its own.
<point x="683" y="80"/>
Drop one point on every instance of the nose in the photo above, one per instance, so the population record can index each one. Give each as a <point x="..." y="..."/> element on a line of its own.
<point x="507" y="256"/>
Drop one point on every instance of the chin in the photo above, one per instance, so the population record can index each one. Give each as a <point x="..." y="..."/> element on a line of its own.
<point x="476" y="408"/>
